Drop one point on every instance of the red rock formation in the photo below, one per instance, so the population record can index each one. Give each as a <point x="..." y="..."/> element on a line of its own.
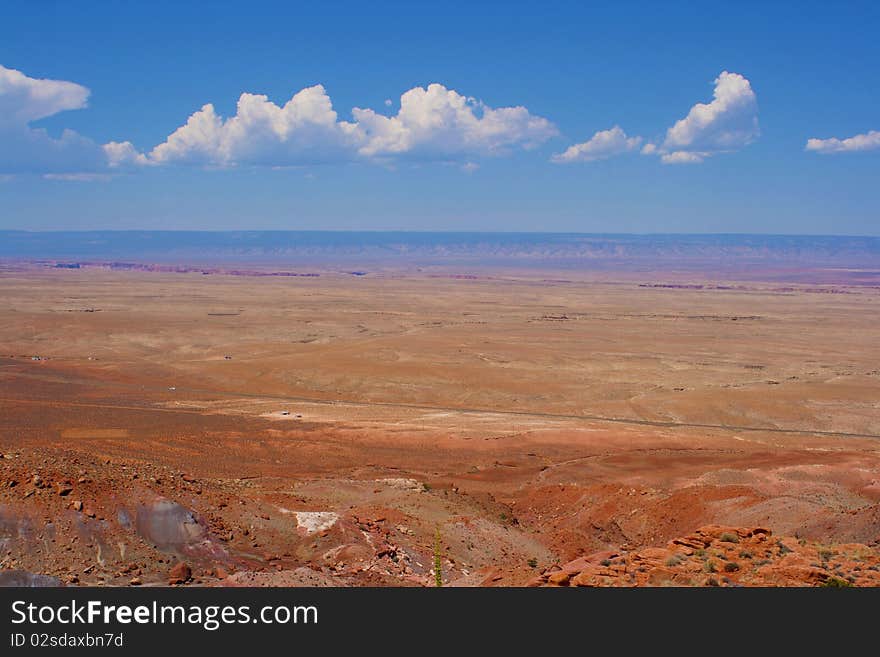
<point x="724" y="556"/>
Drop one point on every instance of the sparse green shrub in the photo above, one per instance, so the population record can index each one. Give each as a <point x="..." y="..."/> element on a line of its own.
<point x="825" y="554"/>
<point x="783" y="548"/>
<point x="745" y="554"/>
<point x="835" y="583"/>
<point x="731" y="567"/>
<point x="674" y="560"/>
<point x="727" y="537"/>
<point x="533" y="563"/>
<point x="438" y="572"/>
<point x="709" y="567"/>
<point x="605" y="562"/>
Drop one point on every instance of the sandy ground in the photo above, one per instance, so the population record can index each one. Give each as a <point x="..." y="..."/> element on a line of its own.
<point x="326" y="430"/>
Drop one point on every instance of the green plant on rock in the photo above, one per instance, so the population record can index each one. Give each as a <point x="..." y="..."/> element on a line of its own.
<point x="674" y="560"/>
<point x="438" y="572"/>
<point x="835" y="583"/>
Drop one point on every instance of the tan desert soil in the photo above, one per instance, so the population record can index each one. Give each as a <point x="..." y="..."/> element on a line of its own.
<point x="149" y="420"/>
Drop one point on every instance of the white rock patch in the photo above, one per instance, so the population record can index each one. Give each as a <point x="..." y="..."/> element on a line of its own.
<point x="315" y="521"/>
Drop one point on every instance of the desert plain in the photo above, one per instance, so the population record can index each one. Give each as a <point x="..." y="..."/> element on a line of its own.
<point x="351" y="428"/>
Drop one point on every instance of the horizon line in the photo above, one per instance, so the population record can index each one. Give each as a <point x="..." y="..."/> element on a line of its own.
<point x="428" y="232"/>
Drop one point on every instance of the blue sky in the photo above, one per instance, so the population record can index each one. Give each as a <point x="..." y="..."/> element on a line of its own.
<point x="796" y="71"/>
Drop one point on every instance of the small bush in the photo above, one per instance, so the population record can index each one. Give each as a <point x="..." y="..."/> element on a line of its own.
<point x="709" y="567"/>
<point x="835" y="583"/>
<point x="438" y="570"/>
<point x="731" y="567"/>
<point x="605" y="562"/>
<point x="825" y="554"/>
<point x="533" y="563"/>
<point x="711" y="582"/>
<point x="729" y="538"/>
<point x="674" y="560"/>
<point x="745" y="554"/>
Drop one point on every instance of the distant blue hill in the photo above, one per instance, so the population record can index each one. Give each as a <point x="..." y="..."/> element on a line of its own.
<point x="568" y="249"/>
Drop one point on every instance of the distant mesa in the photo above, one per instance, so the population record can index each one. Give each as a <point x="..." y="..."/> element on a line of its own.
<point x="252" y="253"/>
<point x="815" y="264"/>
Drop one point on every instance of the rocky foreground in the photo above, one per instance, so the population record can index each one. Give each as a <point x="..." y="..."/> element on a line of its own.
<point x="79" y="520"/>
<point x="724" y="556"/>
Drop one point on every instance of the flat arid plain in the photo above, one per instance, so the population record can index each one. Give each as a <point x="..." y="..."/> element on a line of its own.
<point x="521" y="426"/>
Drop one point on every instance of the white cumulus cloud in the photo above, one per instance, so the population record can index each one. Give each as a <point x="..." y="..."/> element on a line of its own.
<point x="601" y="146"/>
<point x="26" y="149"/>
<point x="683" y="157"/>
<point x="727" y="123"/>
<point x="121" y="153"/>
<point x="305" y="130"/>
<point x="24" y="99"/>
<point x="433" y="123"/>
<point x="866" y="142"/>
<point x="440" y="124"/>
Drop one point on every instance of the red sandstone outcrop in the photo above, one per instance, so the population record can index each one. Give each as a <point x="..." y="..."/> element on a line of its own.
<point x="724" y="556"/>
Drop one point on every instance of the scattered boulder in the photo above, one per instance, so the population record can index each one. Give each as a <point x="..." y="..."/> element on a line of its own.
<point x="559" y="578"/>
<point x="180" y="573"/>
